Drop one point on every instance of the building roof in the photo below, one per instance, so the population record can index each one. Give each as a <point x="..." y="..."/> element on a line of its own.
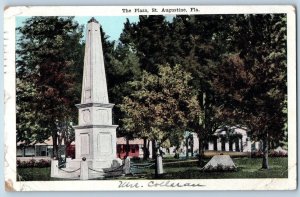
<point x="122" y="140"/>
<point x="234" y="130"/>
<point x="48" y="142"/>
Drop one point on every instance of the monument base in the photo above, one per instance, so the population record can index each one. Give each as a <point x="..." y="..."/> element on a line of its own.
<point x="88" y="169"/>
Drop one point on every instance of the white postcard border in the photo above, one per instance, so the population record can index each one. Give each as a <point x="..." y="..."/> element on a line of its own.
<point x="141" y="185"/>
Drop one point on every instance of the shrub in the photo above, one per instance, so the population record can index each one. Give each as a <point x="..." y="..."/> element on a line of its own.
<point x="135" y="159"/>
<point x="220" y="168"/>
<point x="33" y="163"/>
<point x="43" y="163"/>
<point x="259" y="154"/>
<point x="278" y="154"/>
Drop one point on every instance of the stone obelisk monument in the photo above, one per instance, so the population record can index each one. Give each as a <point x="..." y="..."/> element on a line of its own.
<point x="95" y="136"/>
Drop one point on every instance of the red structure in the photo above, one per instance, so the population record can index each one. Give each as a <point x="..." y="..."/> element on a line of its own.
<point x="133" y="147"/>
<point x="71" y="150"/>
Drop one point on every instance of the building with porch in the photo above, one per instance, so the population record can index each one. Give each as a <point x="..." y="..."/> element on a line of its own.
<point x="35" y="149"/>
<point x="230" y="139"/>
<point x="227" y="139"/>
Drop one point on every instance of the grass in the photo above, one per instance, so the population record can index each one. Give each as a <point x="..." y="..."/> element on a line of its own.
<point x="247" y="168"/>
<point x="34" y="174"/>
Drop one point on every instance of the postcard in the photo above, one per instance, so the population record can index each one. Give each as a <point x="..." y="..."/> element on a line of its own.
<point x="150" y="98"/>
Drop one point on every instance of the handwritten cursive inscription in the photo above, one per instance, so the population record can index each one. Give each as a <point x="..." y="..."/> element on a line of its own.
<point x="172" y="184"/>
<point x="168" y="183"/>
<point x="126" y="184"/>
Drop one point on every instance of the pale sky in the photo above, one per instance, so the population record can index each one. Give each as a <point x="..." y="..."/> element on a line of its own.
<point x="112" y="25"/>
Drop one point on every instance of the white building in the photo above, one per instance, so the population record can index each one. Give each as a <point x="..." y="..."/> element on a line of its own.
<point x="228" y="139"/>
<point x="35" y="149"/>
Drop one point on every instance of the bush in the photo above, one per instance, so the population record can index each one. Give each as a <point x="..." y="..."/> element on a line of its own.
<point x="220" y="168"/>
<point x="33" y="163"/>
<point x="278" y="154"/>
<point x="259" y="154"/>
<point x="135" y="159"/>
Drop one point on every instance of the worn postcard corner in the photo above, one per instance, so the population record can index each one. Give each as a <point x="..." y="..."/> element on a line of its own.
<point x="148" y="98"/>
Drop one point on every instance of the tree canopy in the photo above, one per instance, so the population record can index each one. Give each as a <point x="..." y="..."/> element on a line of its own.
<point x="196" y="72"/>
<point x="161" y="106"/>
<point x="49" y="74"/>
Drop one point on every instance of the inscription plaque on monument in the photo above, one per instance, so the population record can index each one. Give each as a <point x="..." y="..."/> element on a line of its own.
<point x="84" y="143"/>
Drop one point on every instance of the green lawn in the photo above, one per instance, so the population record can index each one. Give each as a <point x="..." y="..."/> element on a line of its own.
<point x="33" y="174"/>
<point x="247" y="168"/>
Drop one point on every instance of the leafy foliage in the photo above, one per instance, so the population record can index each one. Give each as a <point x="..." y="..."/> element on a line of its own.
<point x="196" y="73"/>
<point x="252" y="80"/>
<point x="49" y="55"/>
<point x="161" y="106"/>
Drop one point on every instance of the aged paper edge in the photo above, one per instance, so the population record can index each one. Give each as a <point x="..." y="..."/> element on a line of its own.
<point x="209" y="184"/>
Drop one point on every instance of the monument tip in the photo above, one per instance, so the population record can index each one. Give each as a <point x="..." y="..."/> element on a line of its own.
<point x="93" y="20"/>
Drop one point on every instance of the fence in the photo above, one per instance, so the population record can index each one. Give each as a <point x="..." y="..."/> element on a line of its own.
<point x="139" y="168"/>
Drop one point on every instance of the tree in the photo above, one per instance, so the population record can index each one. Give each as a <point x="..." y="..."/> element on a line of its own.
<point x="237" y="64"/>
<point x="252" y="81"/>
<point x="49" y="70"/>
<point x="122" y="67"/>
<point x="149" y="39"/>
<point x="161" y="106"/>
<point x="198" y="45"/>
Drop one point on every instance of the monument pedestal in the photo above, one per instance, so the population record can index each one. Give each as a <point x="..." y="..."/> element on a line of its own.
<point x="95" y="135"/>
<point x="96" y="144"/>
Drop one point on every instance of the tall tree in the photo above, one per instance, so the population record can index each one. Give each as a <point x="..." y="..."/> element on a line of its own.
<point x="161" y="106"/>
<point x="252" y="81"/>
<point x="49" y="61"/>
<point x="212" y="49"/>
<point x="149" y="39"/>
<point x="198" y="45"/>
<point x="122" y="68"/>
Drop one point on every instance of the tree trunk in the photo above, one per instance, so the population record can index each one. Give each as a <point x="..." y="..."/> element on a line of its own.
<point x="230" y="144"/>
<point x="242" y="147"/>
<point x="148" y="148"/>
<point x="215" y="144"/>
<point x="127" y="149"/>
<point x="192" y="146"/>
<point x="176" y="156"/>
<point x="55" y="147"/>
<point x="145" y="150"/>
<point x="237" y="145"/>
<point x="265" y="162"/>
<point x="187" y="148"/>
<point x="154" y="154"/>
<point x="201" y="152"/>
